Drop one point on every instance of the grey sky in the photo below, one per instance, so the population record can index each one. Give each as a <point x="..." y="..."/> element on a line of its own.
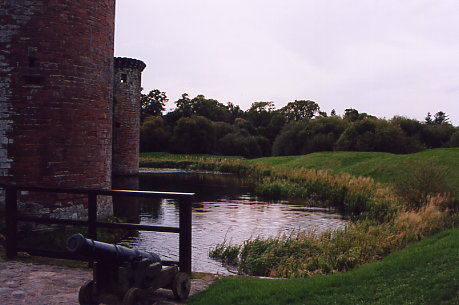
<point x="386" y="57"/>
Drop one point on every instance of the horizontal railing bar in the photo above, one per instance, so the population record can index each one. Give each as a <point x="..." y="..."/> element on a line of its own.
<point x="53" y="221"/>
<point x="124" y="193"/>
<point x="185" y="200"/>
<point x="129" y="226"/>
<point x="137" y="227"/>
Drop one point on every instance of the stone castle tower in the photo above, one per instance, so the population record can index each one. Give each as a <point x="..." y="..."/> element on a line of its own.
<point x="126" y="123"/>
<point x="56" y="95"/>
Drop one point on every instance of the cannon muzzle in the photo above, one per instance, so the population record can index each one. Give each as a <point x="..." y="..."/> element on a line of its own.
<point x="106" y="253"/>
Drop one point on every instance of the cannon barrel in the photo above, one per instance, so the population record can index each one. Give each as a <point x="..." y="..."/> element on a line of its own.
<point x="103" y="252"/>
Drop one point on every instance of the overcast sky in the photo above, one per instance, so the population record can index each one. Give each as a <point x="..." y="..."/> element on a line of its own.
<point x="386" y="57"/>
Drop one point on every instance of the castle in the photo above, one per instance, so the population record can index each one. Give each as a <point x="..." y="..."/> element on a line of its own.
<point x="69" y="110"/>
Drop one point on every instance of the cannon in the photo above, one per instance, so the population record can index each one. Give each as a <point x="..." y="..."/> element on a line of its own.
<point x="125" y="276"/>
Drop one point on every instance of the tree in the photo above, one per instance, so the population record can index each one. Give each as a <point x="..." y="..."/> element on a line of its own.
<point x="194" y="135"/>
<point x="301" y="109"/>
<point x="428" y="119"/>
<point x="153" y="103"/>
<point x="154" y="134"/>
<point x="184" y="105"/>
<point x="245" y="125"/>
<point x="243" y="144"/>
<point x="372" y="134"/>
<point x="262" y="107"/>
<point x="440" y="118"/>
<point x="436" y="135"/>
<point x="235" y="111"/>
<point x="454" y="140"/>
<point x="353" y="115"/>
<point x="210" y="108"/>
<point x="307" y="136"/>
<point x="260" y="114"/>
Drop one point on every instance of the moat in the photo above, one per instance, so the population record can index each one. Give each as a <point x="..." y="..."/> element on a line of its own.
<point x="224" y="209"/>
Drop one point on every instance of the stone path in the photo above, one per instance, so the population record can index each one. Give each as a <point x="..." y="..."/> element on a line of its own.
<point x="26" y="283"/>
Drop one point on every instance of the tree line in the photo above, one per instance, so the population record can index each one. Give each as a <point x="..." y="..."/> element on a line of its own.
<point x="205" y="126"/>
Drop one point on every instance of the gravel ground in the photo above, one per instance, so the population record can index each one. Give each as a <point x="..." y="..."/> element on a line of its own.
<point x="26" y="283"/>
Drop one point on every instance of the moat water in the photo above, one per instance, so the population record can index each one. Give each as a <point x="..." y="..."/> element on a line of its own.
<point x="224" y="210"/>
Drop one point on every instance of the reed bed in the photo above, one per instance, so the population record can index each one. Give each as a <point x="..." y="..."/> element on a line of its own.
<point x="383" y="221"/>
<point x="360" y="197"/>
<point x="307" y="253"/>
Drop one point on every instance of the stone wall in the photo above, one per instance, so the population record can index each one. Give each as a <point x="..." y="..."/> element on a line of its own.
<point x="56" y="82"/>
<point x="126" y="116"/>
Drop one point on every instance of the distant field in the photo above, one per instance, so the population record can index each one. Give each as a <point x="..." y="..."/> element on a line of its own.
<point x="383" y="167"/>
<point x="424" y="273"/>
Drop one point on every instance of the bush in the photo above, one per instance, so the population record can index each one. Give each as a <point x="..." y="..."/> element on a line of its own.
<point x="377" y="135"/>
<point x="307" y="136"/>
<point x="420" y="182"/>
<point x="154" y="134"/>
<point x="435" y="136"/>
<point x="194" y="135"/>
<point x="454" y="140"/>
<point x="242" y="144"/>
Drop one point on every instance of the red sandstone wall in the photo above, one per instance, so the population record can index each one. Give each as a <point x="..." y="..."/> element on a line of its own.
<point x="56" y="78"/>
<point x="60" y="81"/>
<point x="126" y="118"/>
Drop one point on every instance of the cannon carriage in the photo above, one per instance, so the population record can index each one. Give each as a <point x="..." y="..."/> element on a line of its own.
<point x="125" y="276"/>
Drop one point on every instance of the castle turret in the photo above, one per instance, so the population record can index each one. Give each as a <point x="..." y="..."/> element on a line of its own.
<point x="56" y="81"/>
<point x="126" y="115"/>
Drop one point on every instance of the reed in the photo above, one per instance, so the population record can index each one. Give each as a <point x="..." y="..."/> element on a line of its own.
<point x="360" y="197"/>
<point x="384" y="219"/>
<point x="304" y="254"/>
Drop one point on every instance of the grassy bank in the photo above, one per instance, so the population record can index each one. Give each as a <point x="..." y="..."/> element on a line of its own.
<point x="360" y="184"/>
<point x="307" y="253"/>
<point x="358" y="196"/>
<point x="411" y="201"/>
<point x="382" y="167"/>
<point x="424" y="273"/>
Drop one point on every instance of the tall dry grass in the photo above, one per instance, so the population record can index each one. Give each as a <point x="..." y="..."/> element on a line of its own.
<point x="361" y="197"/>
<point x="306" y="253"/>
<point x="385" y="219"/>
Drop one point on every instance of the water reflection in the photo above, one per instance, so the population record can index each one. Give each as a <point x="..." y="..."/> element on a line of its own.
<point x="126" y="207"/>
<point x="224" y="210"/>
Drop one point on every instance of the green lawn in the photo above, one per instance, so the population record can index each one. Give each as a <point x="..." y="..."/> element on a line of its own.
<point x="383" y="167"/>
<point x="424" y="273"/>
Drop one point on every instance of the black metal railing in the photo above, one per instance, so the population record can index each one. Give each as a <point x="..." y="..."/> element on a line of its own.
<point x="12" y="219"/>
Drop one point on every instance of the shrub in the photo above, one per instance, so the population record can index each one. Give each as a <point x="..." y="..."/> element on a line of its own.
<point x="454" y="140"/>
<point x="154" y="134"/>
<point x="242" y="144"/>
<point x="376" y="135"/>
<point x="435" y="136"/>
<point x="194" y="135"/>
<point x="307" y="136"/>
<point x="420" y="182"/>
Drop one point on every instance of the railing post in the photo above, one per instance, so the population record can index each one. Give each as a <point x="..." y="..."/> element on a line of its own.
<point x="11" y="207"/>
<point x="92" y="216"/>
<point x="185" y="235"/>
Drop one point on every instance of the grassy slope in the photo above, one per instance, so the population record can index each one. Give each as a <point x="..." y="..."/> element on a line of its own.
<point x="383" y="167"/>
<point x="424" y="273"/>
